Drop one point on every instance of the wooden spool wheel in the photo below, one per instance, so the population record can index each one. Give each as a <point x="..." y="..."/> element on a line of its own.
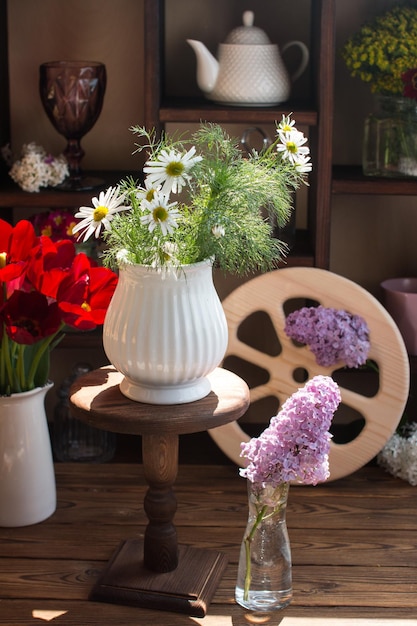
<point x="270" y="294"/>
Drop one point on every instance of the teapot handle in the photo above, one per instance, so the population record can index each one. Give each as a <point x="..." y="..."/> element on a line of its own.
<point x="305" y="57"/>
<point x="245" y="140"/>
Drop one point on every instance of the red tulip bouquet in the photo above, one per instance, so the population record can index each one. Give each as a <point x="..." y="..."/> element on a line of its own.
<point x="45" y="286"/>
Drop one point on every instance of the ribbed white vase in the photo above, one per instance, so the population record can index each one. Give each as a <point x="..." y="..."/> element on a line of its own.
<point x="165" y="331"/>
<point x="27" y="478"/>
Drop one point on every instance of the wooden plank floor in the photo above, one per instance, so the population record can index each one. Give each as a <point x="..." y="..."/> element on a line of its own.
<point x="354" y="549"/>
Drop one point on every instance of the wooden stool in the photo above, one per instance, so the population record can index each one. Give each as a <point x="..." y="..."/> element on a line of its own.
<point x="157" y="573"/>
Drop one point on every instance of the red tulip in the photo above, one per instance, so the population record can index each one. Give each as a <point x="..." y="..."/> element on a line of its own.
<point x="16" y="243"/>
<point x="85" y="296"/>
<point x="50" y="264"/>
<point x="30" y="317"/>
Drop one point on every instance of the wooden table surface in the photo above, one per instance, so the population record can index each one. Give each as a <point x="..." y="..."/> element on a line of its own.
<point x="354" y="549"/>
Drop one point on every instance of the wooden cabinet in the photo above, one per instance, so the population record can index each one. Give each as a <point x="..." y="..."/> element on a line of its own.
<point x="314" y="111"/>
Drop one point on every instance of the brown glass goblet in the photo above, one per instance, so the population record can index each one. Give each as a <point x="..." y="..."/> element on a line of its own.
<point x="72" y="94"/>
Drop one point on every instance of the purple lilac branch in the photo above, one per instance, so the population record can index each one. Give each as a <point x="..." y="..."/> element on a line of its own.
<point x="295" y="446"/>
<point x="332" y="335"/>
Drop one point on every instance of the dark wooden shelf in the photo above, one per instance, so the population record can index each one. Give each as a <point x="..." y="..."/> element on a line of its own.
<point x="197" y="110"/>
<point x="11" y="196"/>
<point x="349" y="179"/>
<point x="18" y="199"/>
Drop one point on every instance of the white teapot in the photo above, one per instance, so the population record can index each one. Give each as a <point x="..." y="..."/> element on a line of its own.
<point x="250" y="71"/>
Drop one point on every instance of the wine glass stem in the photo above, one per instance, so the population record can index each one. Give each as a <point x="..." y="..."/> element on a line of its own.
<point x="74" y="153"/>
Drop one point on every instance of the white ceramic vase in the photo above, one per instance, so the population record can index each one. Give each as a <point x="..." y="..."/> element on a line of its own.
<point x="165" y="331"/>
<point x="27" y="477"/>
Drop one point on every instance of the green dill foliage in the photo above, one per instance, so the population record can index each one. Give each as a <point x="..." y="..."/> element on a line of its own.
<point x="384" y="49"/>
<point x="208" y="201"/>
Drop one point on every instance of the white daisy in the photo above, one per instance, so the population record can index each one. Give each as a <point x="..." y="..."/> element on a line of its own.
<point x="160" y="212"/>
<point x="292" y="144"/>
<point x="170" y="251"/>
<point x="148" y="191"/>
<point x="123" y="256"/>
<point x="101" y="214"/>
<point x="303" y="164"/>
<point x="286" y="124"/>
<point x="218" y="231"/>
<point x="167" y="255"/>
<point x="171" y="169"/>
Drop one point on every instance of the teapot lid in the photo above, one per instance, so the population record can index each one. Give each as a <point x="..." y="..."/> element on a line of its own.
<point x="248" y="33"/>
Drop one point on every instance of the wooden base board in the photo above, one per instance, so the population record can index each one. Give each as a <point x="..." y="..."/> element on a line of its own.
<point x="187" y="589"/>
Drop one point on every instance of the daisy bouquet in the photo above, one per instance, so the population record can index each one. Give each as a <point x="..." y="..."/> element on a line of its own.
<point x="207" y="200"/>
<point x="44" y="287"/>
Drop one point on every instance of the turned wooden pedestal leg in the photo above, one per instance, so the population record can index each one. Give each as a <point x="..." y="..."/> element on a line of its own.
<point x="160" y="464"/>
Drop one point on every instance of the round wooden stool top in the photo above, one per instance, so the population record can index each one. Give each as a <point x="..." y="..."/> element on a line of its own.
<point x="96" y="399"/>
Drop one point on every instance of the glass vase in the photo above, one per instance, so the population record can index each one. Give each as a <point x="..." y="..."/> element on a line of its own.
<point x="390" y="139"/>
<point x="264" y="580"/>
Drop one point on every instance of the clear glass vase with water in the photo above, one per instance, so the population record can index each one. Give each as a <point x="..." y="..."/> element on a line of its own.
<point x="264" y="580"/>
<point x="390" y="139"/>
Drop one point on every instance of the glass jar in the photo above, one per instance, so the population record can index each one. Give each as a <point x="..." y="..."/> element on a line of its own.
<point x="264" y="580"/>
<point x="390" y="139"/>
<point x="74" y="440"/>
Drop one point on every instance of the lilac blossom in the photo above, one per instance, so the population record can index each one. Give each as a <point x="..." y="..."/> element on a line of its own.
<point x="332" y="335"/>
<point x="295" y="446"/>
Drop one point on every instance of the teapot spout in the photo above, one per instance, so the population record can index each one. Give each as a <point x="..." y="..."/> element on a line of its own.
<point x="207" y="66"/>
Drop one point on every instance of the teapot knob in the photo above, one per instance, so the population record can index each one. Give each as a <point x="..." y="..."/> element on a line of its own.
<point x="248" y="18"/>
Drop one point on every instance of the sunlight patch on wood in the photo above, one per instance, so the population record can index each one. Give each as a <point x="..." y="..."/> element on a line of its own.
<point x="254" y="618"/>
<point x="47" y="616"/>
<point x="213" y="620"/>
